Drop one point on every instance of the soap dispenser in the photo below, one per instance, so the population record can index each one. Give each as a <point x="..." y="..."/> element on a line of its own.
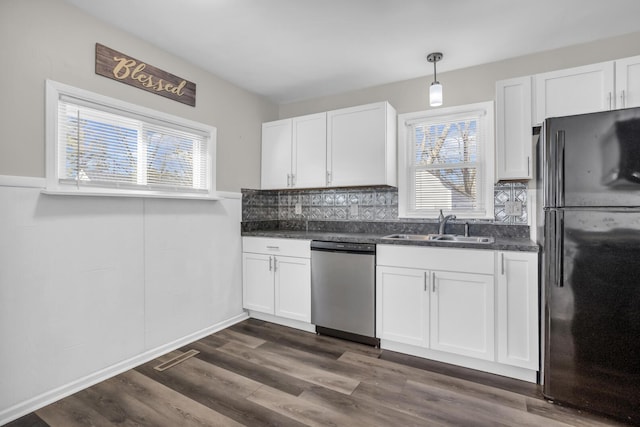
<point x="441" y="217"/>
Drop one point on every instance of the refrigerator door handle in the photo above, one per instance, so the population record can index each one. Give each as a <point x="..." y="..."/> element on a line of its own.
<point x="560" y="175"/>
<point x="559" y="249"/>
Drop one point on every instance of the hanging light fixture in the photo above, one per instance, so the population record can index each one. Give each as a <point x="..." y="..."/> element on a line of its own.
<point x="435" y="90"/>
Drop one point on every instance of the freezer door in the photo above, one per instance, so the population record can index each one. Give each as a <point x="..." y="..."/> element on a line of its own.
<point x="593" y="160"/>
<point x="592" y="311"/>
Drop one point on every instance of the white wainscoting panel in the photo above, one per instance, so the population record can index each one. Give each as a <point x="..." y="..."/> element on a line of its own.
<point x="90" y="286"/>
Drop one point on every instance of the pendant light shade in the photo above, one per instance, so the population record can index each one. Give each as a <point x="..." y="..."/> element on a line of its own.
<point x="435" y="90"/>
<point x="435" y="94"/>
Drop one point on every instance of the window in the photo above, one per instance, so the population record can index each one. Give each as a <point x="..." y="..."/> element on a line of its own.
<point x="446" y="162"/>
<point x="102" y="146"/>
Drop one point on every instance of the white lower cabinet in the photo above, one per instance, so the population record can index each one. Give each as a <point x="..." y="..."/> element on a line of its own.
<point x="473" y="308"/>
<point x="257" y="281"/>
<point x="403" y="305"/>
<point x="518" y="295"/>
<point x="277" y="277"/>
<point x="292" y="277"/>
<point x="462" y="314"/>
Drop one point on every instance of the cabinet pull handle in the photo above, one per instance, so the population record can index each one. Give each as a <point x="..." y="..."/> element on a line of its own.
<point x="502" y="263"/>
<point x="293" y="179"/>
<point x="425" y="281"/>
<point x="528" y="166"/>
<point x="622" y="100"/>
<point x="275" y="264"/>
<point x="273" y="247"/>
<point x="328" y="177"/>
<point x="288" y="180"/>
<point x="609" y="97"/>
<point x="270" y="263"/>
<point x="433" y="281"/>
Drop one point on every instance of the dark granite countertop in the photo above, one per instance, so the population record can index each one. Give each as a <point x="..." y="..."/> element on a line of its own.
<point x="501" y="243"/>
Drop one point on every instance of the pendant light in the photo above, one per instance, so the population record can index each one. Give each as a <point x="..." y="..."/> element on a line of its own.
<point x="435" y="90"/>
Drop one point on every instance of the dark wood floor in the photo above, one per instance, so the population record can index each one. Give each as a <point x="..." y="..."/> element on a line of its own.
<point x="260" y="374"/>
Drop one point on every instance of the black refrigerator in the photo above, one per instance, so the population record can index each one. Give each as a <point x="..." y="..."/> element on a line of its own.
<point x="589" y="229"/>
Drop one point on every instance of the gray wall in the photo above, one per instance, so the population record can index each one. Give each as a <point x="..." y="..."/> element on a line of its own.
<point x="49" y="39"/>
<point x="474" y="84"/>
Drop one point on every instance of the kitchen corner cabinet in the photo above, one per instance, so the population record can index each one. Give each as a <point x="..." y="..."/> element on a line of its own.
<point x="277" y="277"/>
<point x="294" y="152"/>
<point x="578" y="90"/>
<point x="514" y="143"/>
<point x="518" y="325"/>
<point x="361" y="146"/>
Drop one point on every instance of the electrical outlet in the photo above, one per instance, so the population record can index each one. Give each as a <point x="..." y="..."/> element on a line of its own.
<point x="298" y="208"/>
<point x="513" y="208"/>
<point x="353" y="210"/>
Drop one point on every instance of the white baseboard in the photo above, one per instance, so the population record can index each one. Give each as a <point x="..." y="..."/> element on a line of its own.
<point x="296" y="324"/>
<point x="54" y="395"/>
<point x="466" y="362"/>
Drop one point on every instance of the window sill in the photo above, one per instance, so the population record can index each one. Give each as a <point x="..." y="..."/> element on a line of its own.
<point x="138" y="194"/>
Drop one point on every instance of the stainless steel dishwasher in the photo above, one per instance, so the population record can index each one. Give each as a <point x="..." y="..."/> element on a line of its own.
<point x="343" y="292"/>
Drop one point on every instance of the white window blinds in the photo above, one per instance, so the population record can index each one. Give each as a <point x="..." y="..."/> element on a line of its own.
<point x="446" y="162"/>
<point x="102" y="146"/>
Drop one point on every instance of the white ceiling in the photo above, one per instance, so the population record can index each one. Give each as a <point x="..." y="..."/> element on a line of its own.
<point x="290" y="50"/>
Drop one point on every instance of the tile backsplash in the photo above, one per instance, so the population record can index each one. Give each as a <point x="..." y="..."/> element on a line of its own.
<point x="356" y="204"/>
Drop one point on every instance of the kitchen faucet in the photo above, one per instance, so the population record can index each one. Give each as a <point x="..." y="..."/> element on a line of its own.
<point x="443" y="221"/>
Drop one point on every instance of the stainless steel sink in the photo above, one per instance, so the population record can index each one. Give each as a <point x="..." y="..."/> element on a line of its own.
<point x="422" y="237"/>
<point x="452" y="238"/>
<point x="461" y="239"/>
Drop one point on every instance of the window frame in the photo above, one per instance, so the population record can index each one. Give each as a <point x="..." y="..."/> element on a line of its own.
<point x="485" y="153"/>
<point x="57" y="185"/>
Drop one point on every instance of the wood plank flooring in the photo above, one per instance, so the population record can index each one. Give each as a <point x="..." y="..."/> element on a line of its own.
<point x="261" y="374"/>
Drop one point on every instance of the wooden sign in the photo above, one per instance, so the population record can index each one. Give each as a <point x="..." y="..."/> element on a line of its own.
<point x="118" y="66"/>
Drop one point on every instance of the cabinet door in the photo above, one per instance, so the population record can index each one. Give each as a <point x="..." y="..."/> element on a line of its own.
<point x="293" y="288"/>
<point x="462" y="317"/>
<point x="356" y="139"/>
<point x="276" y="155"/>
<point x="402" y="304"/>
<point x="628" y="82"/>
<point x="574" y="91"/>
<point x="310" y="151"/>
<point x="513" y="125"/>
<point x="257" y="282"/>
<point x="517" y="281"/>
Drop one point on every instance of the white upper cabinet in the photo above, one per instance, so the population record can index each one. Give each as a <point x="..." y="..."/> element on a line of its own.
<point x="276" y="154"/>
<point x="309" y="151"/>
<point x="514" y="143"/>
<point x="628" y="82"/>
<point x="294" y="152"/>
<point x="577" y="90"/>
<point x="361" y="146"/>
<point x="348" y="147"/>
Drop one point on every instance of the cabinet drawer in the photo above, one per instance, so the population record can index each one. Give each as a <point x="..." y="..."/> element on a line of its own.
<point x="432" y="258"/>
<point x="283" y="247"/>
